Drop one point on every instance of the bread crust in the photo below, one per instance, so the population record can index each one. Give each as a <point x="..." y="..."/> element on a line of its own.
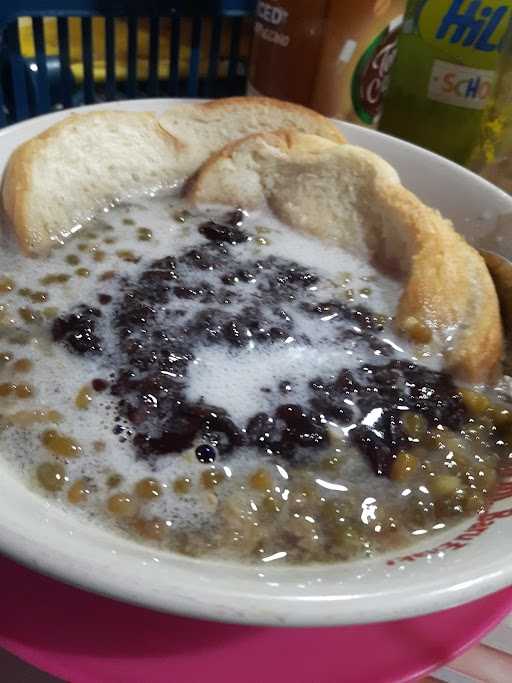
<point x="224" y="107"/>
<point x="447" y="286"/>
<point x="448" y="282"/>
<point x="17" y="180"/>
<point x="14" y="187"/>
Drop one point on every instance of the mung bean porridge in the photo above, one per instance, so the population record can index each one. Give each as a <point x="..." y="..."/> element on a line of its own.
<point x="217" y="384"/>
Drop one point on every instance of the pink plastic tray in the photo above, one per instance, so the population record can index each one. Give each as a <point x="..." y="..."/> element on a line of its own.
<point x="83" y="638"/>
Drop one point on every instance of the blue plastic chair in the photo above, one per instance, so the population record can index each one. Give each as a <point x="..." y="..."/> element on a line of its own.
<point x="32" y="87"/>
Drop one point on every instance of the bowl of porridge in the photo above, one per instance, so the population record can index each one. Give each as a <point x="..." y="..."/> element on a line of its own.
<point x="207" y="412"/>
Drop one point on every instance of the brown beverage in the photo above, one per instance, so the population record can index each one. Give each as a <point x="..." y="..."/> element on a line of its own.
<point x="357" y="54"/>
<point x="288" y="36"/>
<point x="332" y="55"/>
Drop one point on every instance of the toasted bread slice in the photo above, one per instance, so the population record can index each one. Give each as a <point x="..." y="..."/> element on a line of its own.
<point x="81" y="165"/>
<point x="60" y="178"/>
<point x="206" y="127"/>
<point x="353" y="197"/>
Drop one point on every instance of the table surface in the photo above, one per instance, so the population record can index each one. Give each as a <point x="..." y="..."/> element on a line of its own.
<point x="13" y="670"/>
<point x="489" y="662"/>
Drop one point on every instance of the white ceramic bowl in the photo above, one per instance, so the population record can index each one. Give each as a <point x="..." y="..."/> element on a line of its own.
<point x="469" y="561"/>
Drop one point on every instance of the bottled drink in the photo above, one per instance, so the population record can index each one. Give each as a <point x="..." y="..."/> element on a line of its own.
<point x="444" y="73"/>
<point x="492" y="157"/>
<point x="332" y="55"/>
<point x="287" y="41"/>
<point x="357" y="53"/>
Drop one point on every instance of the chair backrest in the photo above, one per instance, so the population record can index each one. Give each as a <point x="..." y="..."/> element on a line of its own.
<point x="86" y="51"/>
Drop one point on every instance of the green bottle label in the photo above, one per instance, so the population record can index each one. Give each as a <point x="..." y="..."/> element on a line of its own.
<point x="466" y="32"/>
<point x="460" y="85"/>
<point x="371" y="74"/>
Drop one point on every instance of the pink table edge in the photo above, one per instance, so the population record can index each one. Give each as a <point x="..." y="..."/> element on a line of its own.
<point x="35" y="616"/>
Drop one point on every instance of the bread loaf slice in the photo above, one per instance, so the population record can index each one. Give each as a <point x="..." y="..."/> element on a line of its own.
<point x="60" y="178"/>
<point x="205" y="127"/>
<point x="351" y="196"/>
